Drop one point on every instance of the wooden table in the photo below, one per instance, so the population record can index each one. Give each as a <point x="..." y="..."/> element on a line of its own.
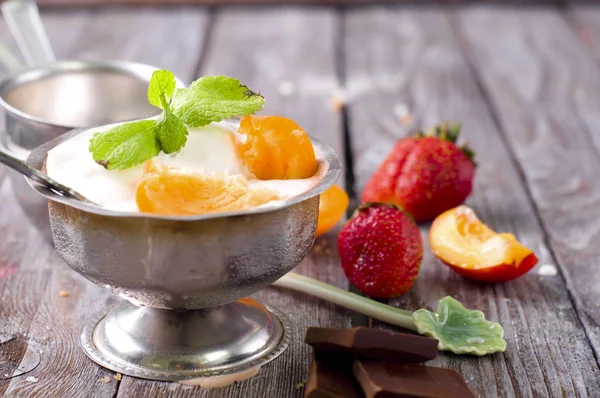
<point x="525" y="83"/>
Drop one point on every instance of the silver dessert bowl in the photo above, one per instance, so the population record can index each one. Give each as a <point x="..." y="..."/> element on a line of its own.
<point x="185" y="278"/>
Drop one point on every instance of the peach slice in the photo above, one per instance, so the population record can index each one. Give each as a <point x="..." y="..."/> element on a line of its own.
<point x="469" y="247"/>
<point x="275" y="148"/>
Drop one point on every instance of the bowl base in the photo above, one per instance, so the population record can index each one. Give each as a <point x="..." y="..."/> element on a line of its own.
<point x="171" y="345"/>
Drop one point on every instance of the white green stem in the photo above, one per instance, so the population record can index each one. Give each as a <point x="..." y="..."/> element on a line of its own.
<point x="363" y="305"/>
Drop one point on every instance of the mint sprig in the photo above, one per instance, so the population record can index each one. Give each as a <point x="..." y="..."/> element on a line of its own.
<point x="125" y="145"/>
<point x="214" y="98"/>
<point x="161" y="88"/>
<point x="208" y="99"/>
<point x="170" y="132"/>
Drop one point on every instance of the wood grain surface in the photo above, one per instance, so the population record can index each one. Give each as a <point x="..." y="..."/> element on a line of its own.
<point x="170" y="3"/>
<point x="546" y="101"/>
<point x="429" y="76"/>
<point x="523" y="82"/>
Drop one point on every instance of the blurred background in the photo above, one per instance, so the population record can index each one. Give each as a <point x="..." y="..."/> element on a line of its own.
<point x="357" y="74"/>
<point x="341" y="68"/>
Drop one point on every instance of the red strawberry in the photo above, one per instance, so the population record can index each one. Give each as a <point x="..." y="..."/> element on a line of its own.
<point x="381" y="249"/>
<point x="426" y="174"/>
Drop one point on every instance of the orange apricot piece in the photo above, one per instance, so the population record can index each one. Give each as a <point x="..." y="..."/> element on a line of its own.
<point x="172" y="192"/>
<point x="275" y="148"/>
<point x="332" y="206"/>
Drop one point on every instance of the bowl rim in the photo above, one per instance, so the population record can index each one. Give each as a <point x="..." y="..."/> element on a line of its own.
<point x="331" y="162"/>
<point x="143" y="72"/>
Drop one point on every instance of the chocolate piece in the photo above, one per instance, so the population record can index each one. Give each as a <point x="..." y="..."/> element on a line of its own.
<point x="389" y="380"/>
<point x="369" y="343"/>
<point x="331" y="378"/>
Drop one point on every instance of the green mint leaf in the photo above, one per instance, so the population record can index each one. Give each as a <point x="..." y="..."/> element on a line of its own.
<point x="170" y="132"/>
<point x="208" y="99"/>
<point x="125" y="145"/>
<point x="161" y="88"/>
<point x="214" y="98"/>
<point x="459" y="329"/>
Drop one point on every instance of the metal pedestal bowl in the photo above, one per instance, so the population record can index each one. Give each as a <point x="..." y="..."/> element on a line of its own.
<point x="185" y="278"/>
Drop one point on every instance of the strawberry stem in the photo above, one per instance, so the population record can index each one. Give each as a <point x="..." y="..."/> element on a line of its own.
<point x="448" y="132"/>
<point x="469" y="153"/>
<point x="363" y="305"/>
<point x="443" y="131"/>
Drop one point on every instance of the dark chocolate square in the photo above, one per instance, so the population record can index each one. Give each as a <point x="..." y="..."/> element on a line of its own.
<point x="331" y="377"/>
<point x="392" y="380"/>
<point x="374" y="344"/>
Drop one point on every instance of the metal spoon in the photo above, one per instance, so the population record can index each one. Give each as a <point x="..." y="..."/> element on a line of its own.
<point x="23" y="20"/>
<point x="39" y="177"/>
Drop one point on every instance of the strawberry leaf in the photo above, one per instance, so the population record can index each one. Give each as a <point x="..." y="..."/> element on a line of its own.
<point x="470" y="153"/>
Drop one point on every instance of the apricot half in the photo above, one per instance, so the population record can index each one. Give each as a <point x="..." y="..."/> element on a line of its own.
<point x="169" y="191"/>
<point x="275" y="148"/>
<point x="475" y="251"/>
<point x="332" y="206"/>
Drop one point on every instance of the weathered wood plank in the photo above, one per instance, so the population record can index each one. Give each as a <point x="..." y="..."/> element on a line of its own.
<point x="295" y="70"/>
<point x="412" y="60"/>
<point x="64" y="370"/>
<point x="166" y="38"/>
<point x="19" y="274"/>
<point x="75" y="3"/>
<point x="38" y="319"/>
<point x="585" y="21"/>
<point x="54" y="328"/>
<point x="549" y="110"/>
<point x="549" y="113"/>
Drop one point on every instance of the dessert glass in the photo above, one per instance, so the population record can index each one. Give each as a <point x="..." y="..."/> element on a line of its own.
<point x="185" y="279"/>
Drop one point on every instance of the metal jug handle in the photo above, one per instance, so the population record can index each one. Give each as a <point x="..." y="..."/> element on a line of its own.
<point x="23" y="20"/>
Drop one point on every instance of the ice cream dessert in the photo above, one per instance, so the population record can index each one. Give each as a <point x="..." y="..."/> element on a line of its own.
<point x="190" y="159"/>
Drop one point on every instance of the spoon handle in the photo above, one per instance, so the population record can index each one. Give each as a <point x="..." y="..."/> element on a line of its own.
<point x="39" y="177"/>
<point x="23" y="20"/>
